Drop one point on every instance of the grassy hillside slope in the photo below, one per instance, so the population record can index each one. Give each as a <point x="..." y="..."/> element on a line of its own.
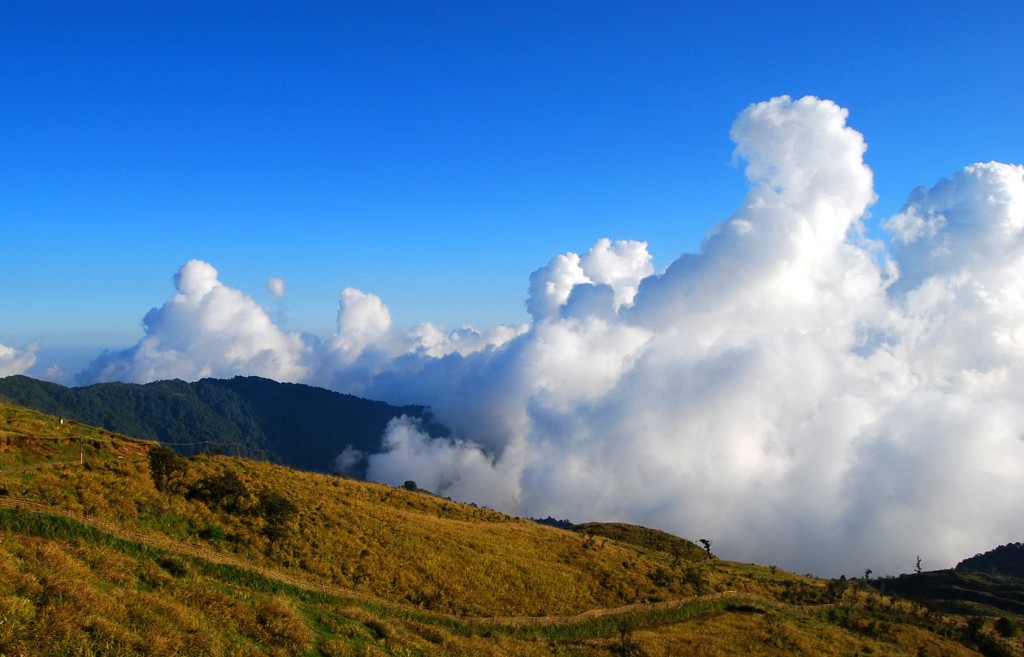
<point x="237" y="557"/>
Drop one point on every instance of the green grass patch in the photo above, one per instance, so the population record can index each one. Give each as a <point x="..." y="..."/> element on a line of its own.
<point x="167" y="523"/>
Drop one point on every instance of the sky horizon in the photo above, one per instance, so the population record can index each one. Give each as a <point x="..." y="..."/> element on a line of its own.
<point x="654" y="263"/>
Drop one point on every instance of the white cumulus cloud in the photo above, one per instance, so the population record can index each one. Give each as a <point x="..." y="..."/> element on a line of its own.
<point x="14" y="361"/>
<point x="276" y="287"/>
<point x="783" y="391"/>
<point x="799" y="393"/>
<point x="208" y="329"/>
<point x="620" y="266"/>
<point x="434" y="341"/>
<point x="363" y="320"/>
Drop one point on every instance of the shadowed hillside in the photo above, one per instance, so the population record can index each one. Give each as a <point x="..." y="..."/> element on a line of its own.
<point x="1004" y="560"/>
<point x="990" y="584"/>
<point x="110" y="545"/>
<point x="292" y="424"/>
<point x="651" y="540"/>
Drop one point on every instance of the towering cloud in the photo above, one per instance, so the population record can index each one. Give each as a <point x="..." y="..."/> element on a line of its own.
<point x="207" y="329"/>
<point x="799" y="393"/>
<point x="785" y="390"/>
<point x="363" y="320"/>
<point x="960" y="247"/>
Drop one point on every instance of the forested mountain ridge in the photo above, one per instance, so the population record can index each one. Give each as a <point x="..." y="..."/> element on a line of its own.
<point x="291" y="424"/>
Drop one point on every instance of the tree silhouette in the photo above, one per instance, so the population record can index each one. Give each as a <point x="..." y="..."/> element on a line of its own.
<point x="166" y="467"/>
<point x="278" y="511"/>
<point x="275" y="508"/>
<point x="225" y="490"/>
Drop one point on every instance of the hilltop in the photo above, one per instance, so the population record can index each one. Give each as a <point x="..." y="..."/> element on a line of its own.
<point x="1005" y="560"/>
<point x="288" y="423"/>
<point x="114" y="545"/>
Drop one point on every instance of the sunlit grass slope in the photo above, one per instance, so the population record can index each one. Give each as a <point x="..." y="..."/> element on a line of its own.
<point x="95" y="560"/>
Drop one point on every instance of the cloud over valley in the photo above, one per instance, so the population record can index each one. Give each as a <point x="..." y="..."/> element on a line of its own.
<point x="801" y="393"/>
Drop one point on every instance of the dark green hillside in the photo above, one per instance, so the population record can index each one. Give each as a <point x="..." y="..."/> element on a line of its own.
<point x="292" y="424"/>
<point x="307" y="426"/>
<point x="1004" y="560"/>
<point x="991" y="583"/>
<point x="960" y="592"/>
<point x="987" y="583"/>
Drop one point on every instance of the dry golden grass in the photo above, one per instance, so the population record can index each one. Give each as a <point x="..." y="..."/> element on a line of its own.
<point x="431" y="560"/>
<point x="447" y="557"/>
<point x="776" y="634"/>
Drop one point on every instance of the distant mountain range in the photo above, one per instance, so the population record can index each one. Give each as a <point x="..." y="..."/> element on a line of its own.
<point x="287" y="423"/>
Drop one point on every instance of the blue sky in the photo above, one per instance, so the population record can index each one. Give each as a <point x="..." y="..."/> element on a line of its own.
<point x="434" y="153"/>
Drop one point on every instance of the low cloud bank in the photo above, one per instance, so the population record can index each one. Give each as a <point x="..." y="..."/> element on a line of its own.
<point x="795" y="391"/>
